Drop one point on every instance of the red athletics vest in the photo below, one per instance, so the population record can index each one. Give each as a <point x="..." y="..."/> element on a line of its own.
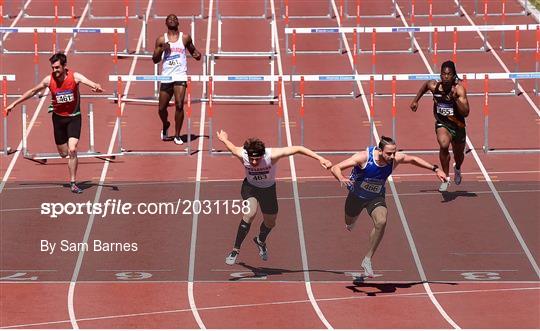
<point x="65" y="95"/>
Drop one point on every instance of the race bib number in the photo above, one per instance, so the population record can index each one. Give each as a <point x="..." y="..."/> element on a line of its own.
<point x="64" y="97"/>
<point x="172" y="60"/>
<point x="260" y="177"/>
<point x="371" y="187"/>
<point x="445" y="110"/>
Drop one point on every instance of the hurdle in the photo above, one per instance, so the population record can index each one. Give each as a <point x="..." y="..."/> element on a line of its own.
<point x="486" y="147"/>
<point x="269" y="98"/>
<point x="200" y="15"/>
<point x="125" y="17"/>
<point x="343" y="10"/>
<point x="284" y="7"/>
<point x="264" y="15"/>
<point x="55" y="15"/>
<point x="120" y="79"/>
<point x="280" y="79"/>
<point x="6" y="150"/>
<point x="430" y="14"/>
<point x="302" y="79"/>
<point x="210" y="64"/>
<point x="43" y="157"/>
<point x="503" y="12"/>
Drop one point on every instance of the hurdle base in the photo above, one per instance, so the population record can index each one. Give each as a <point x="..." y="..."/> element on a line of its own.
<point x="93" y="17"/>
<point x="388" y="51"/>
<point x="8" y="152"/>
<point x="335" y="51"/>
<point x="155" y="153"/>
<point x="219" y="152"/>
<point x="51" y="16"/>
<point x="350" y="95"/>
<point x="464" y="50"/>
<point x="511" y="151"/>
<point x="224" y="54"/>
<point x="43" y="157"/>
<point x="242" y="98"/>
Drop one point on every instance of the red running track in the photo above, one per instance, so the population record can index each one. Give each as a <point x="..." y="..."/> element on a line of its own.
<point x="478" y="273"/>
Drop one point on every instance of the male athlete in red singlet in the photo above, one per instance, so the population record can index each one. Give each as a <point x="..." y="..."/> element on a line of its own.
<point x="66" y="117"/>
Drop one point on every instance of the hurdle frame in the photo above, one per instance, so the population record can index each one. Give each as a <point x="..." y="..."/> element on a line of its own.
<point x="120" y="101"/>
<point x="269" y="98"/>
<point x="55" y="16"/>
<point x="265" y="15"/>
<point x="198" y="16"/>
<point x="413" y="14"/>
<point x="216" y="152"/>
<point x="503" y="12"/>
<point x="210" y="64"/>
<point x="125" y="17"/>
<point x="43" y="157"/>
<point x="344" y="11"/>
<point x="354" y="78"/>
<point x="491" y="150"/>
<point x="284" y="8"/>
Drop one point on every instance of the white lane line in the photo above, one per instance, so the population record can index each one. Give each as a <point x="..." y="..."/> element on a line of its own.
<point x="397" y="200"/>
<point x="195" y="221"/>
<point x="73" y="282"/>
<point x="298" y="210"/>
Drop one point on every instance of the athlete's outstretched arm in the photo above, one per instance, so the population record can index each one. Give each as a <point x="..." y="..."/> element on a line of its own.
<point x="356" y="159"/>
<point x="28" y="94"/>
<point x="79" y="78"/>
<point x="278" y="153"/>
<point x="421" y="163"/>
<point x="224" y="138"/>
<point x="188" y="43"/>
